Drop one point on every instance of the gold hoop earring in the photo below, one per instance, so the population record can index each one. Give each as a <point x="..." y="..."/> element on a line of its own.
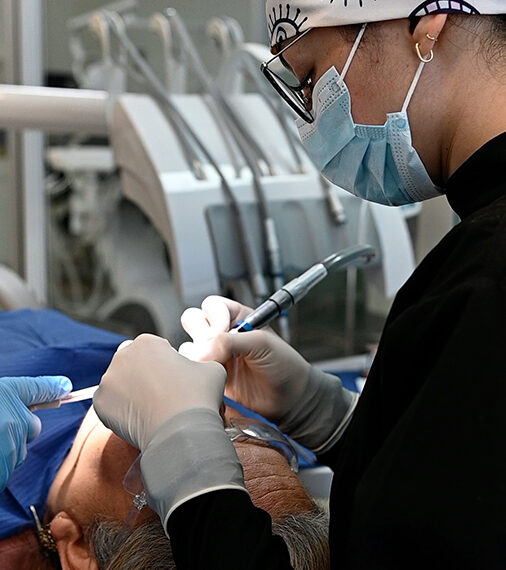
<point x="44" y="534"/>
<point x="431" y="38"/>
<point x="423" y="59"/>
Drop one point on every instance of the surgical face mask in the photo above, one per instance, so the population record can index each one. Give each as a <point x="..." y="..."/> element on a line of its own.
<point x="374" y="162"/>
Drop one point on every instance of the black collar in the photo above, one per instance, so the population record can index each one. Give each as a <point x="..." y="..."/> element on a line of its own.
<point x="480" y="180"/>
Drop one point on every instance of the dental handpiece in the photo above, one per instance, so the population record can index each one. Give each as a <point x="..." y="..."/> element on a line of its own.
<point x="284" y="298"/>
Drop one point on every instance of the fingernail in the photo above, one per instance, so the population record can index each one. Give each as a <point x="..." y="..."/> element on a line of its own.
<point x="124" y="344"/>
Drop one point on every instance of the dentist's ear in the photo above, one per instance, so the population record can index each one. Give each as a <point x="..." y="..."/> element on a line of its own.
<point x="427" y="32"/>
<point x="73" y="549"/>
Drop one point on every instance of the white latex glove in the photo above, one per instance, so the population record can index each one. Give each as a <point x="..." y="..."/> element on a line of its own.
<point x="267" y="375"/>
<point x="168" y="407"/>
<point x="264" y="372"/>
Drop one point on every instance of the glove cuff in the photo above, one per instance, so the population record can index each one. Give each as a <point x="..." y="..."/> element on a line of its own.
<point x="322" y="413"/>
<point x="189" y="455"/>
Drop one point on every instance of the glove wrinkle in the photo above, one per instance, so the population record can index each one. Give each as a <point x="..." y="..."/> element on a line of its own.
<point x="315" y="418"/>
<point x="190" y="454"/>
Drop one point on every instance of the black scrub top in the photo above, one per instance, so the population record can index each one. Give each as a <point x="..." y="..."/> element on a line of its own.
<point x="420" y="474"/>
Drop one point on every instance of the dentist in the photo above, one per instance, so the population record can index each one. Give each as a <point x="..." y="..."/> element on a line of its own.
<point x="397" y="101"/>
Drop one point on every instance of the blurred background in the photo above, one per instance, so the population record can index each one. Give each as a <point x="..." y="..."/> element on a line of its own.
<point x="125" y="216"/>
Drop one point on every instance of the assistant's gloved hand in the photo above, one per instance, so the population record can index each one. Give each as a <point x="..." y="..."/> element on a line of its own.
<point x="168" y="407"/>
<point x="268" y="375"/>
<point x="18" y="425"/>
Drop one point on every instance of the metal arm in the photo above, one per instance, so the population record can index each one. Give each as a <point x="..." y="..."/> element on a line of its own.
<point x="53" y="110"/>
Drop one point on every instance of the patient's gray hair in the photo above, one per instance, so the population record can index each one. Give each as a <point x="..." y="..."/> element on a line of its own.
<point x="147" y="546"/>
<point x="307" y="538"/>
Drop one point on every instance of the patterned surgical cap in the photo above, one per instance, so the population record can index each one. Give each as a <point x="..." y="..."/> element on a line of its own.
<point x="287" y="19"/>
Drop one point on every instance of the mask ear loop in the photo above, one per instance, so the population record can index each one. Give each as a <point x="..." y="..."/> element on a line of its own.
<point x="414" y="83"/>
<point x="423" y="61"/>
<point x="353" y="51"/>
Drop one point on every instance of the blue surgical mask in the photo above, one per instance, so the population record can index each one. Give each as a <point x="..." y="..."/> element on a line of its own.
<point x="375" y="162"/>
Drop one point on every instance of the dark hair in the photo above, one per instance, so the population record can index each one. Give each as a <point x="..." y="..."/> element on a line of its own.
<point x="491" y="31"/>
<point x="498" y="25"/>
<point x="499" y="29"/>
<point x="493" y="40"/>
<point x="501" y="24"/>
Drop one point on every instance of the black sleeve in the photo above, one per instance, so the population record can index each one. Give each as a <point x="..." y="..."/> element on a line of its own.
<point x="422" y="469"/>
<point x="224" y="530"/>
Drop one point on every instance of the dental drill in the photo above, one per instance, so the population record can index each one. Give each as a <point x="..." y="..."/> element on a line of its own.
<point x="284" y="298"/>
<point x="279" y="302"/>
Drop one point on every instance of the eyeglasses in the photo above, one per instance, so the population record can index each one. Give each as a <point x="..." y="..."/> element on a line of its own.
<point x="248" y="428"/>
<point x="296" y="94"/>
<point x="237" y="430"/>
<point x="132" y="483"/>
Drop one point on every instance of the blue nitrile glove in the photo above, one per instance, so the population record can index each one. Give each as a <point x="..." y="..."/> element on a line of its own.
<point x="18" y="425"/>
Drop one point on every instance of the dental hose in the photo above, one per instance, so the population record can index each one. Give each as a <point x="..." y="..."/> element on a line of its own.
<point x="254" y="272"/>
<point x="271" y="240"/>
<point x="245" y="142"/>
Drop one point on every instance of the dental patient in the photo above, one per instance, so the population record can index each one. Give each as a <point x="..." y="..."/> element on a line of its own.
<point x="87" y="505"/>
<point x="80" y="495"/>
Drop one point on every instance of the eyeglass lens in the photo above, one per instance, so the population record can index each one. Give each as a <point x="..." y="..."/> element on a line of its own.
<point x="240" y="428"/>
<point x="132" y="483"/>
<point x="293" y="95"/>
<point x="290" y="89"/>
<point x="254" y="429"/>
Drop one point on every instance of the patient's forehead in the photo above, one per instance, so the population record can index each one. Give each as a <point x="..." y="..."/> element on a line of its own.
<point x="273" y="486"/>
<point x="93" y="473"/>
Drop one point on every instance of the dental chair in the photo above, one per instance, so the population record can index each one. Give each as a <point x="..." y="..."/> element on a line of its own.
<point x="15" y="292"/>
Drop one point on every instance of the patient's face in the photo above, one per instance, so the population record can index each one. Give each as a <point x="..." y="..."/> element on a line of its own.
<point x="90" y="481"/>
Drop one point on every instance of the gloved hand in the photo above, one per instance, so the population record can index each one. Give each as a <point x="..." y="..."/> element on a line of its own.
<point x="168" y="407"/>
<point x="268" y="375"/>
<point x="264" y="373"/>
<point x="18" y="425"/>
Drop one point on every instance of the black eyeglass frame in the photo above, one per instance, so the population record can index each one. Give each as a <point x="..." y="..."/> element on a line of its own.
<point x="299" y="101"/>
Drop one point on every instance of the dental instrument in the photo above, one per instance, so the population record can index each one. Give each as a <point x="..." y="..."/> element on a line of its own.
<point x="295" y="290"/>
<point x="77" y="395"/>
<point x="279" y="302"/>
<point x="70" y="398"/>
